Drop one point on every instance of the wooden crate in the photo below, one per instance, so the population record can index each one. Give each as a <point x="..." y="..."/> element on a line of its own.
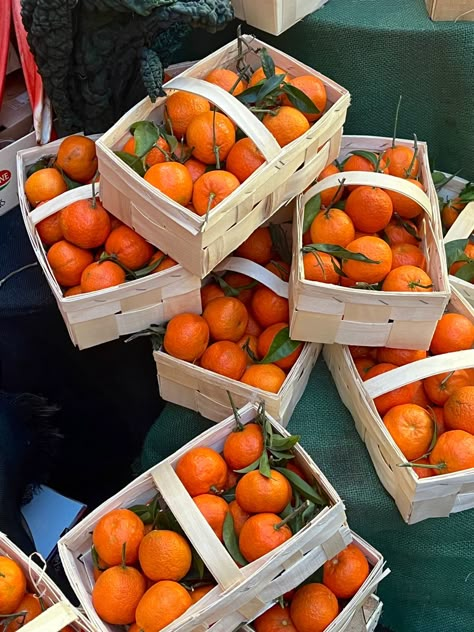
<point x="322" y="312"/>
<point x="417" y="499"/>
<point x="462" y="228"/>
<point x="238" y="589"/>
<point x="104" y="315"/>
<point x="197" y="244"/>
<point x="274" y="16"/>
<point x="450" y="10"/>
<point x="363" y="607"/>
<point x="59" y="611"/>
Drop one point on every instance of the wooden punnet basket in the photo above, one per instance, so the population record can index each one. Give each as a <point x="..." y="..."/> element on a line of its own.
<point x="462" y="228"/>
<point x="274" y="16"/>
<point x="104" y="315"/>
<point x="193" y="387"/>
<point x="196" y="244"/>
<point x="322" y="312"/>
<point x="238" y="590"/>
<point x="59" y="611"/>
<point x="450" y="10"/>
<point x="417" y="499"/>
<point x="354" y="617"/>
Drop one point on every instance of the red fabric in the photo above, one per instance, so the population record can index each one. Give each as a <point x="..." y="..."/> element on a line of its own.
<point x="5" y="14"/>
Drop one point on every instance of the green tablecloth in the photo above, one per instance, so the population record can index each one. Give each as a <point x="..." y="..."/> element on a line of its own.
<point x="379" y="49"/>
<point x="431" y="587"/>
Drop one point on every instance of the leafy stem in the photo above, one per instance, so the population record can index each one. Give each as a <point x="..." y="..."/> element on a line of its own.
<point x="299" y="510"/>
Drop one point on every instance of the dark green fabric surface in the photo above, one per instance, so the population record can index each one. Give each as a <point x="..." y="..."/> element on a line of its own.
<point x="379" y="49"/>
<point x="431" y="586"/>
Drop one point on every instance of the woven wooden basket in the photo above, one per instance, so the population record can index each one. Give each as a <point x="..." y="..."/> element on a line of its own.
<point x="274" y="16"/>
<point x="197" y="244"/>
<point x="462" y="228"/>
<point x="352" y="618"/>
<point x="322" y="312"/>
<point x="450" y="10"/>
<point x="417" y="499"/>
<point x="104" y="315"/>
<point x="59" y="611"/>
<point x="238" y="589"/>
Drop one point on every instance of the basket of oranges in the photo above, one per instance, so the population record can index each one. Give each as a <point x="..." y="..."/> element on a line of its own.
<point x="107" y="280"/>
<point x="276" y="16"/>
<point x="369" y="263"/>
<point x="213" y="525"/>
<point x="29" y="596"/>
<point x="413" y="410"/>
<point x="195" y="172"/>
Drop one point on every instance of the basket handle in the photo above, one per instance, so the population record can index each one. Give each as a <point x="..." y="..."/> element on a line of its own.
<point x="254" y="271"/>
<point x="403" y="375"/>
<point x="53" y="619"/>
<point x="59" y="202"/>
<point x="234" y="109"/>
<point x="463" y="226"/>
<point x="369" y="178"/>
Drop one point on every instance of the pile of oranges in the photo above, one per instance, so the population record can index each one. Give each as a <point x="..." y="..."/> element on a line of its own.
<point x="18" y="606"/>
<point x="200" y="157"/>
<point x="366" y="236"/>
<point x="430" y="420"/>
<point x="314" y="605"/>
<point x="242" y="324"/>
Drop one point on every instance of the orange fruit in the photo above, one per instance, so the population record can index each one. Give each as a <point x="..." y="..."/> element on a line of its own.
<point x="209" y="134"/>
<point x="195" y="167"/>
<point x="198" y="593"/>
<point x="44" y="185"/>
<point x="244" y="159"/>
<point x="77" y="158"/>
<point x="286" y="125"/>
<point x="400" y="162"/>
<point x="459" y="410"/>
<point x="438" y="414"/>
<point x="68" y="262"/>
<point x="407" y="279"/>
<point x="375" y="249"/>
<point x="49" y="229"/>
<point x="260" y="534"/>
<point x="248" y="342"/>
<point x="166" y="263"/>
<point x="362" y="352"/>
<point x="256" y="493"/>
<point x="211" y="188"/>
<point x="313" y="608"/>
<point x="469" y="251"/>
<point x="402" y="395"/>
<point x="236" y="280"/>
<point x="101" y="275"/>
<point x="73" y="291"/>
<point x="228" y="80"/>
<point x="454" y="332"/>
<point x="450" y="212"/>
<point x="276" y="619"/>
<point x="12" y="585"/>
<point x="158" y="153"/>
<point x="319" y="266"/>
<point x="31" y="605"/>
<point x="243" y="446"/>
<point x="265" y="341"/>
<point x="232" y="478"/>
<point x="453" y="452"/>
<point x="257" y="247"/>
<point x="226" y="317"/>
<point x="332" y="227"/>
<point x="164" y="602"/>
<point x="117" y="593"/>
<point x="116" y="528"/>
<point x="411" y="428"/>
<point x="181" y="108"/>
<point x="399" y="357"/>
<point x="85" y="223"/>
<point x="209" y="292"/>
<point x="423" y="472"/>
<point x="403" y="205"/>
<point x="363" y="365"/>
<point x="267" y="377"/>
<point x="239" y="516"/>
<point x="280" y="269"/>
<point x="359" y="163"/>
<point x="172" y="179"/>
<point x="369" y="208"/>
<point x="164" y="555"/>
<point x="314" y="89"/>
<point x="186" y="337"/>
<point x="420" y="398"/>
<point x="333" y="194"/>
<point x="259" y="75"/>
<point x="269" y="308"/>
<point x="225" y="358"/>
<point x="253" y="328"/>
<point x="407" y="254"/>
<point x="131" y="249"/>
<point x="214" y="509"/>
<point x="345" y="573"/>
<point x="440" y="387"/>
<point x="396" y="232"/>
<point x="202" y="470"/>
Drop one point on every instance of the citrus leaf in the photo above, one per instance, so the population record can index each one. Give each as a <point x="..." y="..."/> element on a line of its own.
<point x="311" y="209"/>
<point x="439" y="179"/>
<point x="282" y="346"/>
<point x="268" y="65"/>
<point x="171" y="140"/>
<point x="264" y="465"/>
<point x="340" y="205"/>
<point x="228" y="495"/>
<point x="338" y="251"/>
<point x="230" y="540"/>
<point x="281" y="456"/>
<point x="466" y="273"/>
<point x="268" y="86"/>
<point x="455" y="251"/>
<point x="299" y="99"/>
<point x="284" y="443"/>
<point x="249" y="96"/>
<point x="280" y="242"/>
<point x="42" y="163"/>
<point x="368" y="155"/>
<point x="298" y="484"/>
<point x="309" y="513"/>
<point x="249" y="468"/>
<point x="71" y="184"/>
<point x="286" y="511"/>
<point x="198" y="563"/>
<point x="145" y="134"/>
<point x="132" y="161"/>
